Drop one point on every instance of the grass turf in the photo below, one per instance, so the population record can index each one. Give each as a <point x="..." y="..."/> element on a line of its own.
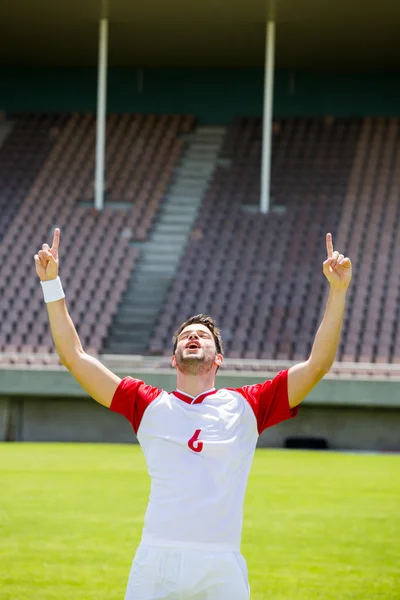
<point x="318" y="526"/>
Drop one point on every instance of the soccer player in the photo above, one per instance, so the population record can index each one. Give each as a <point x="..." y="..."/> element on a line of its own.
<point x="198" y="441"/>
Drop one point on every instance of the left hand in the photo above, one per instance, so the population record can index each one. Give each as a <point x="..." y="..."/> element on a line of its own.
<point x="337" y="268"/>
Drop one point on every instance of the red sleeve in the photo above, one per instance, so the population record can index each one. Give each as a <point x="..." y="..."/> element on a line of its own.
<point x="131" y="399"/>
<point x="270" y="401"/>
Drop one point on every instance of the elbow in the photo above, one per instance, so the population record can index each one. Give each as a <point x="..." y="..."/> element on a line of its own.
<point x="320" y="369"/>
<point x="68" y="361"/>
<point x="64" y="362"/>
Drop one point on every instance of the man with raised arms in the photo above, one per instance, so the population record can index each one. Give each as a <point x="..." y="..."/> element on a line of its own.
<point x="198" y="441"/>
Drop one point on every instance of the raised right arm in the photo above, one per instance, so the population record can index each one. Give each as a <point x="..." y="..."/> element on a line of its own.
<point x="98" y="381"/>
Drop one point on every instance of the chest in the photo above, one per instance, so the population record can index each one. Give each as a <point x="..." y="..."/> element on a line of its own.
<point x="220" y="427"/>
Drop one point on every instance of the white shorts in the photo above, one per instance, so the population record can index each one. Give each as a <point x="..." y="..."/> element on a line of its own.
<point x="160" y="573"/>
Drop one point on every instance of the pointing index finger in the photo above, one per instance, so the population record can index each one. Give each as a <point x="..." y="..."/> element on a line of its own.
<point x="329" y="245"/>
<point x="56" y="239"/>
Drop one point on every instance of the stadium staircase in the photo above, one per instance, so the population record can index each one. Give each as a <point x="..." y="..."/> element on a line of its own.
<point x="143" y="300"/>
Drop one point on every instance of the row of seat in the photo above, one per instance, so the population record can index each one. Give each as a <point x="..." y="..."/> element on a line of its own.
<point x="97" y="257"/>
<point x="261" y="277"/>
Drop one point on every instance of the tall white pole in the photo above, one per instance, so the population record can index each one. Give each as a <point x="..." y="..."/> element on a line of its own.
<point x="101" y="114"/>
<point x="267" y="118"/>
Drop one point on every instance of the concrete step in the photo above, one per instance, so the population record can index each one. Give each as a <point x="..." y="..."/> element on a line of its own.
<point x="137" y="313"/>
<point x="197" y="166"/>
<point x="125" y="330"/>
<point x="142" y="299"/>
<point x="146" y="284"/>
<point x="164" y="249"/>
<point x="182" y="199"/>
<point x="171" y="228"/>
<point x="191" y="174"/>
<point x="160" y="269"/>
<point x="137" y="331"/>
<point x="143" y="296"/>
<point x="187" y="197"/>
<point x="177" y="219"/>
<point x="150" y="281"/>
<point x="146" y="287"/>
<point x="176" y="204"/>
<point x="204" y="153"/>
<point x="190" y="181"/>
<point x="126" y="327"/>
<point x="189" y="188"/>
<point x="166" y="267"/>
<point x="191" y="169"/>
<point x="173" y="209"/>
<point x="125" y="347"/>
<point x="206" y="141"/>
<point x="128" y="317"/>
<point x="204" y="173"/>
<point x="147" y="300"/>
<point x="156" y="254"/>
<point x="210" y="129"/>
<point x="166" y="238"/>
<point x="168" y="245"/>
<point x="180" y="203"/>
<point x="162" y="259"/>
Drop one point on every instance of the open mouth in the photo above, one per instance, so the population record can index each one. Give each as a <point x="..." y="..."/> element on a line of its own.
<point x="192" y="346"/>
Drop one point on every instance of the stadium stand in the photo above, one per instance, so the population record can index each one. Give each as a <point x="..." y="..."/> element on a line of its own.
<point x="370" y="231"/>
<point x="267" y="295"/>
<point x="259" y="276"/>
<point x="97" y="257"/>
<point x="22" y="155"/>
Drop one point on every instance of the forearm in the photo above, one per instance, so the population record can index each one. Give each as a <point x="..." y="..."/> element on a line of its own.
<point x="65" y="336"/>
<point x="327" y="339"/>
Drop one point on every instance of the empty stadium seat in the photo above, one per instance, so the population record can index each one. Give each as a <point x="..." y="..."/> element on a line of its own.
<point x="46" y="172"/>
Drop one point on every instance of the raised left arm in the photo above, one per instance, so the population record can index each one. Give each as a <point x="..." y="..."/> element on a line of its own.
<point x="304" y="376"/>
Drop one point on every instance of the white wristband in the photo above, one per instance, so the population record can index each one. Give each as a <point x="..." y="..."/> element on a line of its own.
<point x="52" y="290"/>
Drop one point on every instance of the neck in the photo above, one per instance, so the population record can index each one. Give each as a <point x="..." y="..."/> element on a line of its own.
<point x="194" y="385"/>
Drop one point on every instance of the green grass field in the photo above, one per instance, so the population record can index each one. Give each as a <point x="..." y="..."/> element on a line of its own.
<point x="318" y="526"/>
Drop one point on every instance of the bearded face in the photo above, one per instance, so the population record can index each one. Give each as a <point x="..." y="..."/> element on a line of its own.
<point x="195" y="352"/>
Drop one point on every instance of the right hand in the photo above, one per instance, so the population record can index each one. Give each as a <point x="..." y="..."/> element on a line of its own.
<point x="46" y="260"/>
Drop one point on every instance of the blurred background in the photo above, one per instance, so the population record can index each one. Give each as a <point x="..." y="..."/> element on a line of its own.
<point x="194" y="157"/>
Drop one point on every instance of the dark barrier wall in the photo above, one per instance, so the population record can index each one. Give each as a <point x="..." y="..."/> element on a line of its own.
<point x="213" y="95"/>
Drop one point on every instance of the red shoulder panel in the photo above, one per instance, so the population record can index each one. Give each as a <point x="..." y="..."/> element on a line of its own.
<point x="131" y="399"/>
<point x="269" y="401"/>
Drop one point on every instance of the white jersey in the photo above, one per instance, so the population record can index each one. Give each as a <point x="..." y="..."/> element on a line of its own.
<point x="199" y="453"/>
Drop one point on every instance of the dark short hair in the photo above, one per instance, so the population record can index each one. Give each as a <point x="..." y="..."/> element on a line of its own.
<point x="209" y="323"/>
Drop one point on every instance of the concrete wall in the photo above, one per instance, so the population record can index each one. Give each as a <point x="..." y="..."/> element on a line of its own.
<point x="57" y="382"/>
<point x="72" y="420"/>
<point x="83" y="420"/>
<point x="49" y="405"/>
<point x="344" y="428"/>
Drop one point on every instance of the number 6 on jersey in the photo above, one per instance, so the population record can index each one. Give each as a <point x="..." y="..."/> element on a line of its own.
<point x="194" y="443"/>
